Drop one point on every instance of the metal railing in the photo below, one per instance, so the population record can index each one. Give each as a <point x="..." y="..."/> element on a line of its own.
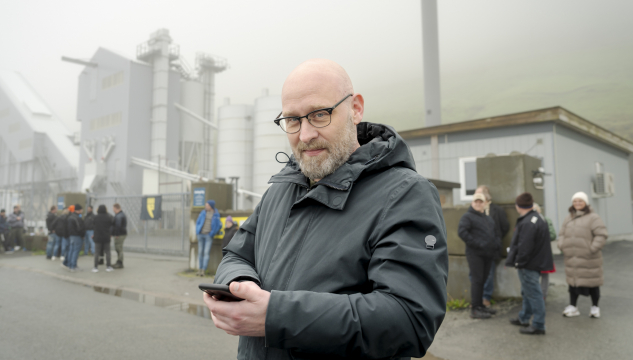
<point x="168" y="235"/>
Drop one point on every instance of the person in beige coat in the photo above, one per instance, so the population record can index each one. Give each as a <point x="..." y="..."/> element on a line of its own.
<point x="581" y="239"/>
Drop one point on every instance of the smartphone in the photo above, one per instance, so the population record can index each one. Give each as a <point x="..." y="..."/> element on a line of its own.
<point x="221" y="292"/>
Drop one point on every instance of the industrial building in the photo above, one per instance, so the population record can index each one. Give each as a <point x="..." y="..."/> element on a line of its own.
<point x="147" y="124"/>
<point x="38" y="154"/>
<point x="576" y="155"/>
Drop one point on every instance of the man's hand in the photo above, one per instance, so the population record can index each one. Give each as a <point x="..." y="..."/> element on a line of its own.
<point x="247" y="317"/>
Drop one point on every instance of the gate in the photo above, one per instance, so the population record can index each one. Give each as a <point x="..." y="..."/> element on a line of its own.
<point x="168" y="235"/>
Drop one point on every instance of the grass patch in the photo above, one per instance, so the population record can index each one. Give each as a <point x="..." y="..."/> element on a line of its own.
<point x="457" y="304"/>
<point x="189" y="273"/>
<point x="38" y="252"/>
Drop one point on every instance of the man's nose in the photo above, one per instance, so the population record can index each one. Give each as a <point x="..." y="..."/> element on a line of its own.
<point x="307" y="132"/>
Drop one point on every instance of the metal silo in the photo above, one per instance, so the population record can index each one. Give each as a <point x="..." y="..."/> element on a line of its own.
<point x="235" y="147"/>
<point x="269" y="139"/>
<point x="191" y="129"/>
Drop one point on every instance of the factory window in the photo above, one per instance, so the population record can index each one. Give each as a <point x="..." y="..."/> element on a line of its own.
<point x="467" y="177"/>
<point x="112" y="80"/>
<point x="106" y="121"/>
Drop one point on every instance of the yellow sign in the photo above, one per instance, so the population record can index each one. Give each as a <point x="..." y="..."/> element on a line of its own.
<point x="151" y="205"/>
<point x="236" y="221"/>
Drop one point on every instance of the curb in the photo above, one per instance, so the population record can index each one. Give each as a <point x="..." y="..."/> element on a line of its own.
<point x="103" y="285"/>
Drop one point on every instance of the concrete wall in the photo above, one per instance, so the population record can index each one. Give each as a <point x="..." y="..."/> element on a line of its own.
<point x="576" y="155"/>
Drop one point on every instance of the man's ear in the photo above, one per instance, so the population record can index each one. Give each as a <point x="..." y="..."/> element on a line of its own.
<point x="358" y="108"/>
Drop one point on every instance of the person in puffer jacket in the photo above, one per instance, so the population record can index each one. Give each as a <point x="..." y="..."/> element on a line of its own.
<point x="581" y="238"/>
<point x="482" y="244"/>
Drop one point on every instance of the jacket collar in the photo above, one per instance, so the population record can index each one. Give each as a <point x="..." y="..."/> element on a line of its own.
<point x="472" y="210"/>
<point x="381" y="148"/>
<point x="533" y="212"/>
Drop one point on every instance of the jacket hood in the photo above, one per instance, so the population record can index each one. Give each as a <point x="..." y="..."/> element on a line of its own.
<point x="380" y="147"/>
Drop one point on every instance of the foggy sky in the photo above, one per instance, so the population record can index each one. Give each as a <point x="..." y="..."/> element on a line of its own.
<point x="496" y="56"/>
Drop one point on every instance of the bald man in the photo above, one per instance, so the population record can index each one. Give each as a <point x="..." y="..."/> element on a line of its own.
<point x="345" y="256"/>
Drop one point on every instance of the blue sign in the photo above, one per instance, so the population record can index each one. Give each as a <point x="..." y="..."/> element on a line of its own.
<point x="199" y="196"/>
<point x="60" y="202"/>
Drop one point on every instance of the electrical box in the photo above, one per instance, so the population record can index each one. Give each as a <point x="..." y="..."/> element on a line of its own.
<point x="511" y="175"/>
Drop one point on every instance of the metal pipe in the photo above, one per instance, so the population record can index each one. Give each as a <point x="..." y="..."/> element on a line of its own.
<point x="431" y="63"/>
<point x="195" y="116"/>
<point x="79" y="61"/>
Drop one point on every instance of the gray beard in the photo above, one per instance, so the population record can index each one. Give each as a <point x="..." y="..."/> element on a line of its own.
<point x="337" y="153"/>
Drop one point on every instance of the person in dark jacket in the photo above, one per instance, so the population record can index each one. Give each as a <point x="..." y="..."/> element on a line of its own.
<point x="530" y="253"/>
<point x="16" y="227"/>
<point x="119" y="232"/>
<point x="4" y="232"/>
<point x="230" y="228"/>
<point x="102" y="233"/>
<point x="478" y="232"/>
<point x="345" y="256"/>
<point x="502" y="227"/>
<point x="89" y="245"/>
<point x="76" y="233"/>
<point x="61" y="230"/>
<point x="52" y="238"/>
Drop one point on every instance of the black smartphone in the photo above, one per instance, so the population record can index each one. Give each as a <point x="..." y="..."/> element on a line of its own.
<point x="221" y="292"/>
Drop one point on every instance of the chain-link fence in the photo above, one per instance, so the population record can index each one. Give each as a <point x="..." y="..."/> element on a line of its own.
<point x="167" y="235"/>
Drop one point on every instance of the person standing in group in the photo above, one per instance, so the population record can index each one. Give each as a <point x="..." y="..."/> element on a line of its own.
<point x="502" y="227"/>
<point x="60" y="224"/>
<point x="89" y="245"/>
<point x="52" y="238"/>
<point x="119" y="232"/>
<point x="530" y="253"/>
<point x="552" y="266"/>
<point x="4" y="232"/>
<point x="76" y="233"/>
<point x="101" y="238"/>
<point x="230" y="228"/>
<point x="482" y="245"/>
<point x="581" y="238"/>
<point x="207" y="226"/>
<point x="16" y="226"/>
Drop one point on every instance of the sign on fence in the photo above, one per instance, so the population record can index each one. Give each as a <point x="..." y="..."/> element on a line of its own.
<point x="199" y="196"/>
<point x="60" y="202"/>
<point x="151" y="208"/>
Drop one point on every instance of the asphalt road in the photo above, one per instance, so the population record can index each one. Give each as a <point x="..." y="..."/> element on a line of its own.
<point x="46" y="318"/>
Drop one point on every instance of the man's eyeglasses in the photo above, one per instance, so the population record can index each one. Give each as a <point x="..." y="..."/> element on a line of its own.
<point x="317" y="118"/>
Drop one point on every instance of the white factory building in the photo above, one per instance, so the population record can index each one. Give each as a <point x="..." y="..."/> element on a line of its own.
<point x="148" y="126"/>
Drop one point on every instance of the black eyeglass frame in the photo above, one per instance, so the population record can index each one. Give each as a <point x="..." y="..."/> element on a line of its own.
<point x="329" y="110"/>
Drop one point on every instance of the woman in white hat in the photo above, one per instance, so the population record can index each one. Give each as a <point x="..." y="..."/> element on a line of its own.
<point x="581" y="239"/>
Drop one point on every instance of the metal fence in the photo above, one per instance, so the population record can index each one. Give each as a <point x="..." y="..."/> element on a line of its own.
<point x="167" y="235"/>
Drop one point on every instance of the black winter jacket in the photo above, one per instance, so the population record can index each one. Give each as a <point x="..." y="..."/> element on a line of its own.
<point x="119" y="226"/>
<point x="478" y="232"/>
<point x="103" y="228"/>
<point x="60" y="224"/>
<point x="76" y="226"/>
<point x="50" y="219"/>
<point x="228" y="235"/>
<point x="356" y="264"/>
<point x="89" y="220"/>
<point x="530" y="248"/>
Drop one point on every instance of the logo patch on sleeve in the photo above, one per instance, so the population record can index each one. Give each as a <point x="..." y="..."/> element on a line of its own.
<point x="534" y="219"/>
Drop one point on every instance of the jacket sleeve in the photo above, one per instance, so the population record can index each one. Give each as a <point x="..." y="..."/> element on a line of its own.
<point x="599" y="232"/>
<point x="552" y="230"/>
<point x="216" y="224"/>
<point x="402" y="313"/>
<point x="525" y="243"/>
<point x="561" y="233"/>
<point x="463" y="230"/>
<point x="238" y="262"/>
